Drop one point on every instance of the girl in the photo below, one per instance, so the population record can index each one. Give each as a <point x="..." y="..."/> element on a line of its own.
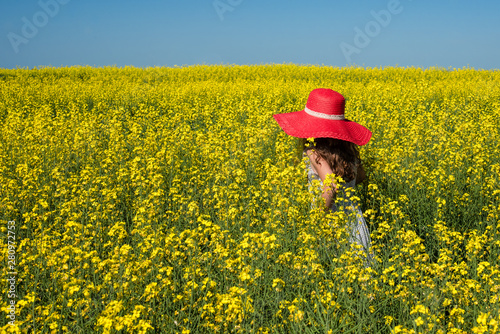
<point x="333" y="151"/>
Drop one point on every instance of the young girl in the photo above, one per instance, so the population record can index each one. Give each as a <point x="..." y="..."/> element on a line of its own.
<point x="333" y="151"/>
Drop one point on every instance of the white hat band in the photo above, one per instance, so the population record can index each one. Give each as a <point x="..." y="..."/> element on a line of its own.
<point x="321" y="115"/>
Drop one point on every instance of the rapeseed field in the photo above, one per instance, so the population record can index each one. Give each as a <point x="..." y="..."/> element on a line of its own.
<point x="168" y="200"/>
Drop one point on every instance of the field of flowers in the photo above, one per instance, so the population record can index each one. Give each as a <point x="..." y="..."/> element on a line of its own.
<point x="168" y="200"/>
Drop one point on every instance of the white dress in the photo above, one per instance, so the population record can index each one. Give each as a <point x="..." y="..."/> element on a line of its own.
<point x="358" y="230"/>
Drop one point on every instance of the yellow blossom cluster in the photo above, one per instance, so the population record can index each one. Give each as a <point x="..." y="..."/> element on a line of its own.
<point x="167" y="200"/>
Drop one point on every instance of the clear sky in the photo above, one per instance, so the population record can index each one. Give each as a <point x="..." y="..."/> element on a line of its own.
<point x="420" y="33"/>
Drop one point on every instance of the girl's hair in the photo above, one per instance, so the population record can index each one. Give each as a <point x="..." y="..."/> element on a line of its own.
<point x="341" y="155"/>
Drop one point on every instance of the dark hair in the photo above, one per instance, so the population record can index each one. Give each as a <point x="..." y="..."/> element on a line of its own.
<point x="342" y="156"/>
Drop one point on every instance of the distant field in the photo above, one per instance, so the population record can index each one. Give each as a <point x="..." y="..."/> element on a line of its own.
<point x="168" y="200"/>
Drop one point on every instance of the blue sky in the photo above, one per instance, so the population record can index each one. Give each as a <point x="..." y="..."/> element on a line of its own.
<point x="420" y="33"/>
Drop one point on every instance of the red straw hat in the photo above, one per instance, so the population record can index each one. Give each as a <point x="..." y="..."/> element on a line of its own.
<point x="323" y="116"/>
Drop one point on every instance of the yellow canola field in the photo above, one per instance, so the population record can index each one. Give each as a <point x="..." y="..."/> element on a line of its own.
<point x="168" y="200"/>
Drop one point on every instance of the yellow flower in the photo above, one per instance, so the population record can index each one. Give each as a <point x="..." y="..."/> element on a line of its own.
<point x="278" y="284"/>
<point x="244" y="275"/>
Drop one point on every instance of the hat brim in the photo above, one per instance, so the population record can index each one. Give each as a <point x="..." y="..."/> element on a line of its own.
<point x="302" y="125"/>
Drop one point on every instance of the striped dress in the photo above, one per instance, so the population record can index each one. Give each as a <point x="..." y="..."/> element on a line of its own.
<point x="358" y="230"/>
